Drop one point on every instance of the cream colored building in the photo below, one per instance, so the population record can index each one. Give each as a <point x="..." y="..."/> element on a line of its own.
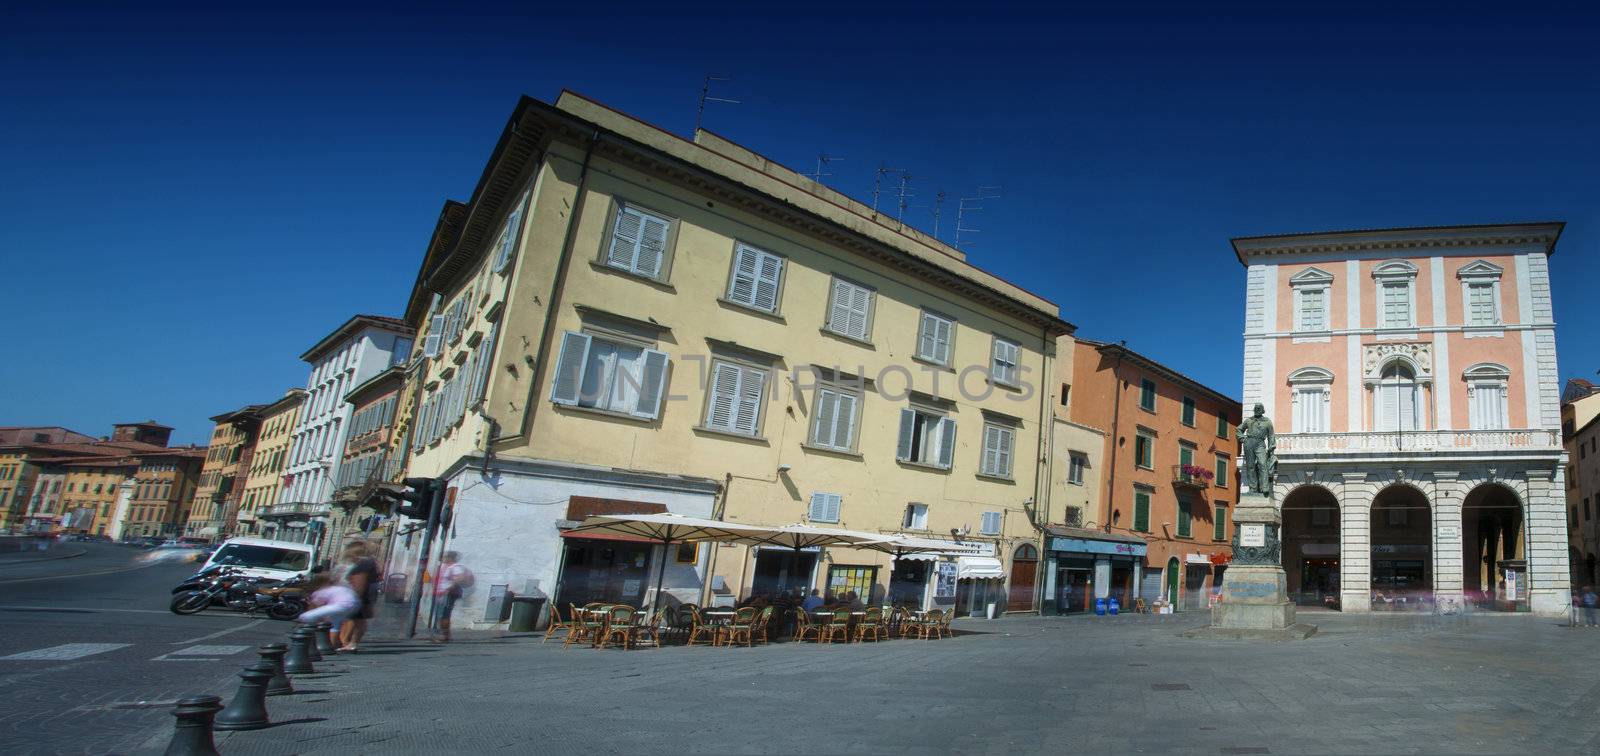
<point x="264" y="478"/>
<point x="628" y="321"/>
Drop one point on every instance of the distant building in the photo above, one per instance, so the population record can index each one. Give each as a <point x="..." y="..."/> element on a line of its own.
<point x="221" y="483"/>
<point x="1411" y="375"/>
<point x="41" y="434"/>
<point x="367" y="460"/>
<point x="127" y="485"/>
<point x="1580" y="437"/>
<point x="264" y="474"/>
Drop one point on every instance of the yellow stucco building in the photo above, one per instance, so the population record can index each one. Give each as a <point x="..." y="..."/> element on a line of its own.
<point x="264" y="476"/>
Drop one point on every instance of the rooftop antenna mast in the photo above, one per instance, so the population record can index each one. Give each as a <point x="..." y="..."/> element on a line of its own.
<point x="877" y="184"/>
<point x="971" y="205"/>
<point x="705" y="97"/>
<point x="938" y="207"/>
<point x="905" y="191"/>
<point x="823" y="159"/>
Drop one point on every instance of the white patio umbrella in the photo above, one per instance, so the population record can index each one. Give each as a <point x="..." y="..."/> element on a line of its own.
<point x="666" y="528"/>
<point x="800" y="537"/>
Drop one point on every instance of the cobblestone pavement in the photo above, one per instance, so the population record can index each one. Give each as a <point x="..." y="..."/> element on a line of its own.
<point x="1365" y="684"/>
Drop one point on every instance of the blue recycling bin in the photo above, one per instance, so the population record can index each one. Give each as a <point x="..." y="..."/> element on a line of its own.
<point x="1113" y="605"/>
<point x="1100" y="607"/>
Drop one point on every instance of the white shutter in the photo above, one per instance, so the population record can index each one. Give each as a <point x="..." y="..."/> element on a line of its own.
<point x="819" y="507"/>
<point x="624" y="239"/>
<point x="430" y="343"/>
<point x="751" y="384"/>
<point x="1004" y="355"/>
<point x="568" y="381"/>
<point x="721" y="410"/>
<point x="1003" y="455"/>
<point x="844" y="420"/>
<point x="833" y="503"/>
<point x="942" y="340"/>
<point x="767" y="278"/>
<point x="1388" y="406"/>
<point x="908" y="424"/>
<point x="484" y="357"/>
<point x="742" y="287"/>
<point x="990" y="524"/>
<point x="509" y="234"/>
<point x="653" y="385"/>
<point x="860" y="304"/>
<point x="947" y="441"/>
<point x="991" y="450"/>
<point x="822" y="431"/>
<point x="1408" y="406"/>
<point x="652" y="245"/>
<point x="927" y="342"/>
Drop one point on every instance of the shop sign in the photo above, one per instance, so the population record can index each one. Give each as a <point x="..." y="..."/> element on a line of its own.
<point x="1086" y="546"/>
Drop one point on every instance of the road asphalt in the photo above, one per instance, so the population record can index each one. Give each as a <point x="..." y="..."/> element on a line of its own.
<point x="91" y="659"/>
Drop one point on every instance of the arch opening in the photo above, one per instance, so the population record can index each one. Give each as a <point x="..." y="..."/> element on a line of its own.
<point x="1402" y="550"/>
<point x="1310" y="539"/>
<point x="1494" y="560"/>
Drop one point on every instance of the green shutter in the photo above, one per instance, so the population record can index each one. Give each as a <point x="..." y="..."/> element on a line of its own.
<point x="1186" y="455"/>
<point x="1220" y="523"/>
<point x="1222" y="426"/>
<point x="1184" y="516"/>
<point x="1147" y="394"/>
<point x="1188" y="411"/>
<point x="1141" y="511"/>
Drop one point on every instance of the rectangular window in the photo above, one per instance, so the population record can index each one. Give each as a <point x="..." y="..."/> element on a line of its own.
<point x="638" y="241"/>
<point x="1141" y="510"/>
<point x="1219" y="523"/>
<point x="609" y="375"/>
<point x="1480" y="304"/>
<point x="755" y="279"/>
<point x="1147" y="394"/>
<point x="1396" y="304"/>
<point x="1144" y="449"/>
<point x="687" y="553"/>
<point x="834" y="417"/>
<point x="926" y="438"/>
<point x="1222" y="471"/>
<point x="997" y="450"/>
<point x="507" y="240"/>
<point x="736" y="395"/>
<point x="1313" y="310"/>
<point x="933" y="338"/>
<point x="1188" y="411"/>
<point x="825" y="507"/>
<point x="989" y="524"/>
<point x="1185" y="519"/>
<point x="1311" y="410"/>
<point x="1186" y="455"/>
<point x="1004" y="358"/>
<point x="1075" y="464"/>
<point x="1486" y="405"/>
<point x="850" y="310"/>
<point x="916" y="517"/>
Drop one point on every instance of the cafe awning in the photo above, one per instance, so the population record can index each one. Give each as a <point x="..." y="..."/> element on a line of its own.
<point x="979" y="568"/>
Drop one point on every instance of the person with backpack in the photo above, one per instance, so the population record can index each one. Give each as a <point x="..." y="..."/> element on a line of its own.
<point x="453" y="581"/>
<point x="1590" y="601"/>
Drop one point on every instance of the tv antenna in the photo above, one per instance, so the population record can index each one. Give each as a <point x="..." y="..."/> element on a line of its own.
<point x="705" y="97"/>
<point x="938" y="207"/>
<point x="971" y="205"/>
<point x="877" y="184"/>
<point x="905" y="191"/>
<point x="823" y="159"/>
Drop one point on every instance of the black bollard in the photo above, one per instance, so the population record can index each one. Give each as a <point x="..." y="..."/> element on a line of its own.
<point x="298" y="660"/>
<point x="311" y="646"/>
<point x="325" y="640"/>
<point x="272" y="653"/>
<point x="192" y="737"/>
<point x="248" y="709"/>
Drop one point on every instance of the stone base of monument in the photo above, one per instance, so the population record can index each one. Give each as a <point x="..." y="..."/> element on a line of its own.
<point x="1255" y="598"/>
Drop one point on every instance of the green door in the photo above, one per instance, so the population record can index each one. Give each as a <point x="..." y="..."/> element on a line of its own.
<point x="1172" y="581"/>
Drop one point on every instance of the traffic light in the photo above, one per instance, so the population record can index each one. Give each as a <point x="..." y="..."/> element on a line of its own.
<point x="417" y="500"/>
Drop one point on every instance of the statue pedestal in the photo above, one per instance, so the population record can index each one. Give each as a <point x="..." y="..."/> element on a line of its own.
<point x="1255" y="599"/>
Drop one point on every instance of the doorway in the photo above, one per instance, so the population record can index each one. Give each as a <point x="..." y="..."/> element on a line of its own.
<point x="1024" y="566"/>
<point x="1194" y="585"/>
<point x="1402" y="551"/>
<point x="1172" y="581"/>
<point x="1074" y="586"/>
<point x="1491" y="535"/>
<point x="782" y="569"/>
<point x="1310" y="540"/>
<point x="908" y="583"/>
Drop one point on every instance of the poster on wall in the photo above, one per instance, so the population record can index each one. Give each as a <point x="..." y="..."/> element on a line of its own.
<point x="946" y="587"/>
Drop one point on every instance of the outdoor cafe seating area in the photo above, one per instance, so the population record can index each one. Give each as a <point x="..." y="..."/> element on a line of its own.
<point x="600" y="625"/>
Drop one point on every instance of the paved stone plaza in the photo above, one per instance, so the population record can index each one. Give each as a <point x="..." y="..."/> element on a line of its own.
<point x="1376" y="683"/>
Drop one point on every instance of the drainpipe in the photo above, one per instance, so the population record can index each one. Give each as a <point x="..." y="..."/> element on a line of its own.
<point x="1041" y="488"/>
<point x="1116" y="435"/>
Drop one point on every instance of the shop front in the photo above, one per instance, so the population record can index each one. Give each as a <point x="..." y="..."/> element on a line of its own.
<point x="949" y="578"/>
<point x="1083" y="566"/>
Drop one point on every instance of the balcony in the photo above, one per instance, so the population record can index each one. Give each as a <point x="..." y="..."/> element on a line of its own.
<point x="297" y="510"/>
<point x="1458" y="443"/>
<point x="1192" y="477"/>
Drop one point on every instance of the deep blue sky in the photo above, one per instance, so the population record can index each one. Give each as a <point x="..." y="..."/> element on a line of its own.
<point x="193" y="197"/>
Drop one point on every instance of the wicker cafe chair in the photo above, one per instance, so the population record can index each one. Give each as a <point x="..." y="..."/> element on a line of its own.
<point x="803" y="626"/>
<point x="763" y="622"/>
<point x="871" y="623"/>
<point x="556" y="623"/>
<point x="744" y="623"/>
<point x="927" y="625"/>
<point x="838" y="624"/>
<point x="619" y="624"/>
<point x="649" y="624"/>
<point x="944" y="623"/>
<point x="698" y="627"/>
<point x="585" y="626"/>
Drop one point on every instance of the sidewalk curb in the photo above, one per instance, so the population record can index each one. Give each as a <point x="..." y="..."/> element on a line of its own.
<point x="51" y="558"/>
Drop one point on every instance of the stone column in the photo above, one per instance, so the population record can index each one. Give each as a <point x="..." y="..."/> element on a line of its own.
<point x="1549" y="575"/>
<point x="1448" y="496"/>
<point x="1355" y="543"/>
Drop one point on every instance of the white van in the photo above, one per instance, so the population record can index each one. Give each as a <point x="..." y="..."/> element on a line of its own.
<point x="261" y="557"/>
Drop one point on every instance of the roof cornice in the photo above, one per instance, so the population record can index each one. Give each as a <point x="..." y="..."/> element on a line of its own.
<point x="1400" y="241"/>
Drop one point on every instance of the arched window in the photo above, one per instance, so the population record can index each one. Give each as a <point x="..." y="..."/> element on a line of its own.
<point x="1312" y="393"/>
<point x="1026" y="552"/>
<point x="1396" y="401"/>
<point x="1486" y="396"/>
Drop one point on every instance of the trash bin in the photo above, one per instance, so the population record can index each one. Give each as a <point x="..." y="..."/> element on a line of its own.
<point x="1112" y="606"/>
<point x="989" y="612"/>
<point x="525" y="613"/>
<point x="1100" y="607"/>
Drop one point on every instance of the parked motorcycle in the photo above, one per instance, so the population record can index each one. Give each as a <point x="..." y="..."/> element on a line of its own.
<point x="241" y="593"/>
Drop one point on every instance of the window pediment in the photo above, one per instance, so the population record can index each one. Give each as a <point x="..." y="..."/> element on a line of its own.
<point x="1311" y="276"/>
<point x="1486" y="371"/>
<point x="1480" y="270"/>
<point x="1311" y="375"/>
<point x="1395" y="269"/>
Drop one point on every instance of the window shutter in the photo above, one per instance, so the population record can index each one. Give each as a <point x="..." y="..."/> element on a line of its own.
<point x="1003" y="452"/>
<point x="766" y="295"/>
<point x="652" y="245"/>
<point x="947" y="441"/>
<point x="991" y="450"/>
<point x="485" y="358"/>
<point x="908" y="424"/>
<point x="751" y="384"/>
<point x="844" y="419"/>
<point x="1407" y="396"/>
<point x="941" y="333"/>
<point x="822" y="432"/>
<point x="860" y="303"/>
<point x="724" y="395"/>
<point x="1141" y="511"/>
<point x="653" y="385"/>
<point x="745" y="262"/>
<point x="624" y="239"/>
<point x="819" y="507"/>
<point x="430" y="343"/>
<point x="834" y="502"/>
<point x="569" y="368"/>
<point x="927" y="341"/>
<point x="508" y="234"/>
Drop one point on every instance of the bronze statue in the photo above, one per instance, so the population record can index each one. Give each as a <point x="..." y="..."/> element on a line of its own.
<point x="1260" y="452"/>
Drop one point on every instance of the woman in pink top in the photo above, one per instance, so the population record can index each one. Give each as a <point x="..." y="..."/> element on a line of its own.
<point x="453" y="581"/>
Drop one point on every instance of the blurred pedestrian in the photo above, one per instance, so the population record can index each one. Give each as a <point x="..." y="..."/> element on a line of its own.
<point x="361" y="574"/>
<point x="1589" y="603"/>
<point x="331" y="601"/>
<point x="453" y="581"/>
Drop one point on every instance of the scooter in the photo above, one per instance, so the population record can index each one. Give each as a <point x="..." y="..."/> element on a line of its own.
<point x="206" y="588"/>
<point x="284" y="601"/>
